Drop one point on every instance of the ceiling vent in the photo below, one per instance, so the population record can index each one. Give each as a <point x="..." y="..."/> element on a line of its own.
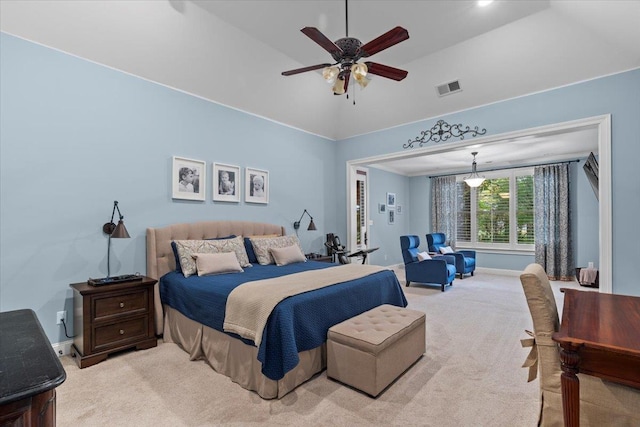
<point x="449" y="88"/>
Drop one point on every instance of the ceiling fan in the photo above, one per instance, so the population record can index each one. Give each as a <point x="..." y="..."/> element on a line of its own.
<point x="347" y="51"/>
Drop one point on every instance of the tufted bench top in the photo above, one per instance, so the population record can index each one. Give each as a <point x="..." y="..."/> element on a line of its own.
<point x="376" y="329"/>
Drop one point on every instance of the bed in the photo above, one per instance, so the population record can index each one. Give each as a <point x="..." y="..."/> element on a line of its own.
<point x="292" y="348"/>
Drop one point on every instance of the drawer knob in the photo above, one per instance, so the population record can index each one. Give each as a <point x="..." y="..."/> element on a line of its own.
<point x="121" y="305"/>
<point x="121" y="331"/>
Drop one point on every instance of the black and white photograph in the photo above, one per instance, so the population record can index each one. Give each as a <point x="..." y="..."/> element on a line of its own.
<point x="391" y="200"/>
<point x="226" y="183"/>
<point x="256" y="186"/>
<point x="398" y="209"/>
<point x="188" y="178"/>
<point x="392" y="216"/>
<point x="382" y="208"/>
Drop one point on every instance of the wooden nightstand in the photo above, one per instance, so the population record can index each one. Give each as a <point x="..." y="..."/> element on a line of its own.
<point x="112" y="318"/>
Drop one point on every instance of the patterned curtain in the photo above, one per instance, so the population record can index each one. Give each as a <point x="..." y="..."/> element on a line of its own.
<point x="444" y="207"/>
<point x="553" y="246"/>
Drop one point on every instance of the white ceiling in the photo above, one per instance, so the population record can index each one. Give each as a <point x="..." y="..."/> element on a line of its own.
<point x="232" y="52"/>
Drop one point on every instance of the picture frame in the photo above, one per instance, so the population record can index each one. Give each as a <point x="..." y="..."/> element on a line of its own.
<point x="392" y="216"/>
<point x="256" y="186"/>
<point x="227" y="183"/>
<point x="188" y="179"/>
<point x="398" y="209"/>
<point x="391" y="200"/>
<point x="382" y="208"/>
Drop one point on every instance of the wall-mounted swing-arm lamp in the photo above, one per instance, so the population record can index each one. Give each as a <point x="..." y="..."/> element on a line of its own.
<point x="312" y="226"/>
<point x="116" y="231"/>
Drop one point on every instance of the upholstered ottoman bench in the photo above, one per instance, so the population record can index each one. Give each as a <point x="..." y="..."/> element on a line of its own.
<point x="371" y="350"/>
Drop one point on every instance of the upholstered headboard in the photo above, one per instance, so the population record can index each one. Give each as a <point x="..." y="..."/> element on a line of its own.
<point x="160" y="258"/>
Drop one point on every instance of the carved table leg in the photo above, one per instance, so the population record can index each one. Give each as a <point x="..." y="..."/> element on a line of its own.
<point x="570" y="387"/>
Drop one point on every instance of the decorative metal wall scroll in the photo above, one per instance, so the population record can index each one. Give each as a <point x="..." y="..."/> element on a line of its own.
<point x="442" y="131"/>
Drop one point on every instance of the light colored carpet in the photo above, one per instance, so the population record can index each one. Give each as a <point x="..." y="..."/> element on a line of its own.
<point x="470" y="375"/>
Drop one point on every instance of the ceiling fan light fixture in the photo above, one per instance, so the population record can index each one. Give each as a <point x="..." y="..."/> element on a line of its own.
<point x="474" y="180"/>
<point x="338" y="87"/>
<point x="330" y="74"/>
<point x="359" y="72"/>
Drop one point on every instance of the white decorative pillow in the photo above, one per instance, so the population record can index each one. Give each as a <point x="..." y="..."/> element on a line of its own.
<point x="446" y="250"/>
<point x="423" y="255"/>
<point x="262" y="247"/>
<point x="288" y="255"/>
<point x="223" y="262"/>
<point x="186" y="248"/>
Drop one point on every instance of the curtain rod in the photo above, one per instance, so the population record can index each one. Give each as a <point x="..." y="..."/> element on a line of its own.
<point x="511" y="167"/>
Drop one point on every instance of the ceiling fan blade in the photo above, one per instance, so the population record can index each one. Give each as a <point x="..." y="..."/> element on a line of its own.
<point x="388" y="39"/>
<point x="386" y="71"/>
<point x="304" y="69"/>
<point x="315" y="35"/>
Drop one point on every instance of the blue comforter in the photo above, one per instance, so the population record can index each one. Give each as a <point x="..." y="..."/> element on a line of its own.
<point x="298" y="323"/>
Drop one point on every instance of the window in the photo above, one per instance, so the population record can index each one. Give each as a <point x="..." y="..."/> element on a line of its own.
<point x="499" y="213"/>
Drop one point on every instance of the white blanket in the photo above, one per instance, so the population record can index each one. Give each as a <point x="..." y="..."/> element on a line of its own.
<point x="250" y="304"/>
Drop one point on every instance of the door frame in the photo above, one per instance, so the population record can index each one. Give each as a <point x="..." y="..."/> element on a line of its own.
<point x="351" y="174"/>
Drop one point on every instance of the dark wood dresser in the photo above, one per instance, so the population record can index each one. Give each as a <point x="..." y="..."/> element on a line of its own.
<point x="112" y="318"/>
<point x="29" y="372"/>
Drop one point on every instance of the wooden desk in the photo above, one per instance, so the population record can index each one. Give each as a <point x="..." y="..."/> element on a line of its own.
<point x="29" y="372"/>
<point x="599" y="335"/>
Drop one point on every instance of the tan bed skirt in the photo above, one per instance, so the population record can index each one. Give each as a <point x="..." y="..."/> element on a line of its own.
<point x="235" y="359"/>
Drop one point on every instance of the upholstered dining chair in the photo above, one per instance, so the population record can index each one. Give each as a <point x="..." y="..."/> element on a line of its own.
<point x="438" y="270"/>
<point x="602" y="403"/>
<point x="465" y="259"/>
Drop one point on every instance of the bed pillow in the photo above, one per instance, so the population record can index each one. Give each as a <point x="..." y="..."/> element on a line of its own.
<point x="175" y="250"/>
<point x="289" y="255"/>
<point x="423" y="256"/>
<point x="262" y="247"/>
<point x="218" y="263"/>
<point x="446" y="250"/>
<point x="249" y="247"/>
<point x="188" y="247"/>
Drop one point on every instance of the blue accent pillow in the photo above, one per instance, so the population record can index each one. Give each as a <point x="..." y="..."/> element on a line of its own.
<point x="175" y="250"/>
<point x="253" y="259"/>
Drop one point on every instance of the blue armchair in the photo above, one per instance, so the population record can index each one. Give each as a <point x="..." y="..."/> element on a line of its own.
<point x="465" y="259"/>
<point x="440" y="270"/>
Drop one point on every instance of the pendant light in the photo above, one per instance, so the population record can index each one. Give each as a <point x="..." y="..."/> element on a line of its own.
<point x="474" y="180"/>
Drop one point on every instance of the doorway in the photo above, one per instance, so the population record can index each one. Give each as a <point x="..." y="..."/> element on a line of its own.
<point x="601" y="125"/>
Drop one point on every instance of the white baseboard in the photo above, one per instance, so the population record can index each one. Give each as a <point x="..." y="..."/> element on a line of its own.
<point x="499" y="271"/>
<point x="484" y="270"/>
<point x="62" y="348"/>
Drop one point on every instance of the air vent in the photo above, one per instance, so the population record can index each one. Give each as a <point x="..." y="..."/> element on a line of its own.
<point x="449" y="88"/>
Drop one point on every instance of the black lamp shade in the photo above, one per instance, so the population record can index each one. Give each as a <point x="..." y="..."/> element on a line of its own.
<point x="312" y="226"/>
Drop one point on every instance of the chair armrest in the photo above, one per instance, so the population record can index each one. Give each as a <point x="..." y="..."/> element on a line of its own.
<point x="449" y="258"/>
<point x="468" y="253"/>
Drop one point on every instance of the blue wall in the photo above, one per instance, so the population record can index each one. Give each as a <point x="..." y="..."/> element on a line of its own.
<point x="618" y="95"/>
<point x="75" y="136"/>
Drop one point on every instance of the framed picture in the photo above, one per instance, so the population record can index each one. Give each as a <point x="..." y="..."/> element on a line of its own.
<point x="391" y="200"/>
<point x="382" y="208"/>
<point x="398" y="209"/>
<point x="188" y="178"/>
<point x="256" y="186"/>
<point x="392" y="216"/>
<point x="226" y="183"/>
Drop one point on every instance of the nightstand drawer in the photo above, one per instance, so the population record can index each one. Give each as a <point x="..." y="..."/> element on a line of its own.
<point x="120" y="333"/>
<point x="128" y="303"/>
